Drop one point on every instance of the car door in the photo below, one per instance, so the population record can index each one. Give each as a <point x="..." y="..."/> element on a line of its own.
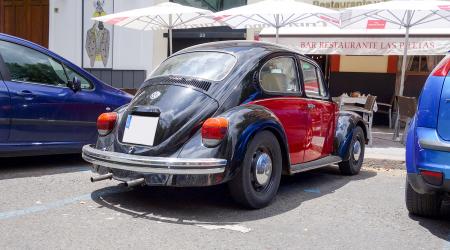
<point x="44" y="109"/>
<point x="321" y="110"/>
<point x="279" y="80"/>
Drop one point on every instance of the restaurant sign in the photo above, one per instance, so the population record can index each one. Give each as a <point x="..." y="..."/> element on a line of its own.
<point x="365" y="45"/>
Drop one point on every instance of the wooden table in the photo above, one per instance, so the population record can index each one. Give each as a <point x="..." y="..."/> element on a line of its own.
<point x="353" y="100"/>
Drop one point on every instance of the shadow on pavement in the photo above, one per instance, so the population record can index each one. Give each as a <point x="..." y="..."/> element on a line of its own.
<point x="213" y="205"/>
<point x="439" y="227"/>
<point x="20" y="167"/>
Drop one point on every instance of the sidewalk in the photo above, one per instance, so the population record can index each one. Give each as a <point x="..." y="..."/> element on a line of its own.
<point x="383" y="147"/>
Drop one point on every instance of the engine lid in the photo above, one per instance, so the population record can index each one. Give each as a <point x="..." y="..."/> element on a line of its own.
<point x="179" y="111"/>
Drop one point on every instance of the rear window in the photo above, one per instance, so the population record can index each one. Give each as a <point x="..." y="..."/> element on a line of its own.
<point x="213" y="66"/>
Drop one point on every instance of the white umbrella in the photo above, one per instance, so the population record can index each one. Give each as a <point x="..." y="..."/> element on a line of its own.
<point x="399" y="15"/>
<point x="277" y="14"/>
<point x="161" y="16"/>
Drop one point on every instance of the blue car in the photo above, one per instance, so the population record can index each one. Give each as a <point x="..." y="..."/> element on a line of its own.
<point x="428" y="146"/>
<point x="47" y="104"/>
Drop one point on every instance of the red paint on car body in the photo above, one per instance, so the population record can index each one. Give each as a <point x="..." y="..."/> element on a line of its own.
<point x="309" y="131"/>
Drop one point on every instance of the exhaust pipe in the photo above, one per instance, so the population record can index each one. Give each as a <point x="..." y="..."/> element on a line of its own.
<point x="102" y="177"/>
<point x="133" y="183"/>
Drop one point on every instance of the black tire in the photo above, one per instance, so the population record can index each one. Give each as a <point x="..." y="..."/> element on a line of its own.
<point x="428" y="205"/>
<point x="352" y="166"/>
<point x="244" y="187"/>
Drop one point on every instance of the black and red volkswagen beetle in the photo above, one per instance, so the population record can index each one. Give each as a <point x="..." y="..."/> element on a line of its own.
<point x="236" y="112"/>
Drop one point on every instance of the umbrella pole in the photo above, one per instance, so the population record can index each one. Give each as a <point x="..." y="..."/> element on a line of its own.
<point x="170" y="41"/>
<point x="170" y="35"/>
<point x="405" y="55"/>
<point x="277" y="35"/>
<point x="277" y="27"/>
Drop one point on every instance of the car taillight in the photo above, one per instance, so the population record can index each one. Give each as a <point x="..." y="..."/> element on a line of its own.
<point x="432" y="177"/>
<point x="106" y="123"/>
<point x="442" y="68"/>
<point x="214" y="130"/>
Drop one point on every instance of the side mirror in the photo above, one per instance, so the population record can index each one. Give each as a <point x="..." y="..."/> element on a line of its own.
<point x="75" y="84"/>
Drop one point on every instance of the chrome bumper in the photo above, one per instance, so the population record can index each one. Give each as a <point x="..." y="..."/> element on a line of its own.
<point x="153" y="165"/>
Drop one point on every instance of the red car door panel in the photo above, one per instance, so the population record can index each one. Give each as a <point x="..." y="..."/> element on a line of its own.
<point x="320" y="136"/>
<point x="294" y="117"/>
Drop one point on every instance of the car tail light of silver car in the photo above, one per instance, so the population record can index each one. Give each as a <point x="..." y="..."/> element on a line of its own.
<point x="106" y="123"/>
<point x="214" y="130"/>
<point x="442" y="68"/>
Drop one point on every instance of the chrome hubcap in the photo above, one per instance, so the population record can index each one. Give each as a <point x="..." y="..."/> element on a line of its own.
<point x="356" y="150"/>
<point x="263" y="169"/>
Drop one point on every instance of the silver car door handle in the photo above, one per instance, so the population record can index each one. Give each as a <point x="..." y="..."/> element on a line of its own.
<point x="311" y="106"/>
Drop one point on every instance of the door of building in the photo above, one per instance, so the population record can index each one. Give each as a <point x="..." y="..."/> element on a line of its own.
<point x="27" y="19"/>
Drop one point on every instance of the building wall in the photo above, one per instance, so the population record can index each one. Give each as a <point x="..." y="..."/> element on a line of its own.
<point x="65" y="29"/>
<point x="368" y="64"/>
<point x="132" y="50"/>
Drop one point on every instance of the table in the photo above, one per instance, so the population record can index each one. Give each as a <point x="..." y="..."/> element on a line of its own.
<point x="353" y="100"/>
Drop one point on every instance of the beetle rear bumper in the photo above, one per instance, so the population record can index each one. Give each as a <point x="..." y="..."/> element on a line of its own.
<point x="157" y="170"/>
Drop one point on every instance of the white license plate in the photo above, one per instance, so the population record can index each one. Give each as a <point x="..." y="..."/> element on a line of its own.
<point x="140" y="130"/>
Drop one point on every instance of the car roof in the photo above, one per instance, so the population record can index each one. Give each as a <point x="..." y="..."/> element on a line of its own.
<point x="239" y="47"/>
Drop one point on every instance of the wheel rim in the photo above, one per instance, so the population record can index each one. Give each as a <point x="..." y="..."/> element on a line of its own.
<point x="262" y="169"/>
<point x="356" y="150"/>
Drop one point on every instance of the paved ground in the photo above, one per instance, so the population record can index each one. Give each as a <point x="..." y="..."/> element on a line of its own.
<point x="48" y="202"/>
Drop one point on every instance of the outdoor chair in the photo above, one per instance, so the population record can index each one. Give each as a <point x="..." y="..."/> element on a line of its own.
<point x="386" y="108"/>
<point x="406" y="109"/>
<point x="366" y="111"/>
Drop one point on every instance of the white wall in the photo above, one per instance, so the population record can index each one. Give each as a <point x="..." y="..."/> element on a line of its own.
<point x="132" y="49"/>
<point x="65" y="19"/>
<point x="161" y="45"/>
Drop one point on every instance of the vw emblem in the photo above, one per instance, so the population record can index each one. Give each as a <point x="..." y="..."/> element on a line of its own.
<point x="155" y="95"/>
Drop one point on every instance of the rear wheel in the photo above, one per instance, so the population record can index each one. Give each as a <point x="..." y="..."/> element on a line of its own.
<point x="257" y="182"/>
<point x="356" y="151"/>
<point x="428" y="205"/>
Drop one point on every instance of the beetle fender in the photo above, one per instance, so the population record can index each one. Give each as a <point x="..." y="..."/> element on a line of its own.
<point x="346" y="124"/>
<point x="246" y="121"/>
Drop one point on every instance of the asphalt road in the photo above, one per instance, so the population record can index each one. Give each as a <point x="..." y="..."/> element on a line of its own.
<point x="49" y="202"/>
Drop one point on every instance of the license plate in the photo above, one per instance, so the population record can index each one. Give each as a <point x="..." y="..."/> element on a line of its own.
<point x="140" y="130"/>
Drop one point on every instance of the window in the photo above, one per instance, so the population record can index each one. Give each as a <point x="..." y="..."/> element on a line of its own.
<point x="279" y="75"/>
<point x="85" y="84"/>
<point x="28" y="65"/>
<point x="422" y="64"/>
<point x="314" y="86"/>
<point x="213" y="66"/>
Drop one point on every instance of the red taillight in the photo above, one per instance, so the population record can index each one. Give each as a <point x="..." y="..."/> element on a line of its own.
<point x="442" y="68"/>
<point x="214" y="130"/>
<point x="106" y="123"/>
<point x="434" y="178"/>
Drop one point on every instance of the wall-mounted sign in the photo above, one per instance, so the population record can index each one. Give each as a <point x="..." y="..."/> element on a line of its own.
<point x="97" y="44"/>
<point x="365" y="45"/>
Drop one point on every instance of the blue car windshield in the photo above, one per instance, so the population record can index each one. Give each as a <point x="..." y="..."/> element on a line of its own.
<point x="213" y="66"/>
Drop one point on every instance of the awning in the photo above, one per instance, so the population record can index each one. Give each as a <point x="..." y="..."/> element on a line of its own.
<point x="359" y="42"/>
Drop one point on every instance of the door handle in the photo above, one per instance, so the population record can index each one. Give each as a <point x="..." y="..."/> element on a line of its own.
<point x="28" y="95"/>
<point x="311" y="106"/>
